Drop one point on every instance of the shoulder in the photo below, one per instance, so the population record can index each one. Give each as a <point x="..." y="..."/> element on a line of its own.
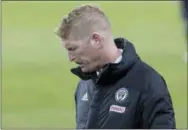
<point x="154" y="84"/>
<point x="154" y="89"/>
<point x="150" y="79"/>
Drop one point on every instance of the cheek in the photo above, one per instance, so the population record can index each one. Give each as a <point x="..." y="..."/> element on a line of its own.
<point x="80" y="54"/>
<point x="94" y="58"/>
<point x="87" y="54"/>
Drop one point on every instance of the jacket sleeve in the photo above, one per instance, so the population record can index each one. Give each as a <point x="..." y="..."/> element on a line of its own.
<point x="158" y="112"/>
<point x="75" y="98"/>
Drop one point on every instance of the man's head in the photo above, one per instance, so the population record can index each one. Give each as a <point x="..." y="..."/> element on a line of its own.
<point x="85" y="33"/>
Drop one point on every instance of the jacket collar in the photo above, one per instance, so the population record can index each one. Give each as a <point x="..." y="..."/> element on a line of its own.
<point x="112" y="72"/>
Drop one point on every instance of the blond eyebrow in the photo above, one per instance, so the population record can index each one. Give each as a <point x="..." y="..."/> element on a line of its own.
<point x="70" y="45"/>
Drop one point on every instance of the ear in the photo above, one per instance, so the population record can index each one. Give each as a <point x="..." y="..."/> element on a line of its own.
<point x="96" y="40"/>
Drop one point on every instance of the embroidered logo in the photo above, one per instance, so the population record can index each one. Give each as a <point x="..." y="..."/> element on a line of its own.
<point x="121" y="95"/>
<point x="85" y="97"/>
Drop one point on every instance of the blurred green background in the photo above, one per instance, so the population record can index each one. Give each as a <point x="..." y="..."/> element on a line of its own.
<point x="37" y="86"/>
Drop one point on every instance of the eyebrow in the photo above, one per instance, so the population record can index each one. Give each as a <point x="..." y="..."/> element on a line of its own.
<point x="70" y="45"/>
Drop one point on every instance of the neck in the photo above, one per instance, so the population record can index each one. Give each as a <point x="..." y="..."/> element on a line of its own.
<point x="112" y="53"/>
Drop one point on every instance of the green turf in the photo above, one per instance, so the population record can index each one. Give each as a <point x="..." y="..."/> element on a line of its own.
<point x="38" y="87"/>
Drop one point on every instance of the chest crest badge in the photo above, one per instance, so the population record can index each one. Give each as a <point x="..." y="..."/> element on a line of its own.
<point x="121" y="95"/>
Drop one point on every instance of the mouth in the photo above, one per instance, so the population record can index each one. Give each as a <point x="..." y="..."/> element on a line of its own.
<point x="79" y="64"/>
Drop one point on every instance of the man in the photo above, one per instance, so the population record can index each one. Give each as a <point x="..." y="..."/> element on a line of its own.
<point x="117" y="89"/>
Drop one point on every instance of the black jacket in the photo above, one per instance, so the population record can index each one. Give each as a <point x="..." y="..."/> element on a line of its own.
<point x="127" y="95"/>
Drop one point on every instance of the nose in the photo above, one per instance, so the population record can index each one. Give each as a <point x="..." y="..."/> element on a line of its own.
<point x="71" y="57"/>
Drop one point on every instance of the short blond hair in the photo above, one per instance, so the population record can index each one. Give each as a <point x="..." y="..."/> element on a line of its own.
<point x="82" y="21"/>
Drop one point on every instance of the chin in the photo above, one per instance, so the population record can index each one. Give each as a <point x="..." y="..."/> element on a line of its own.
<point x="85" y="70"/>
